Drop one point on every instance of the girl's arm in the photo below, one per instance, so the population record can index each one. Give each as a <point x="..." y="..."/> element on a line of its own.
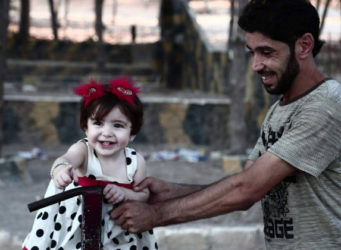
<point x="66" y="167"/>
<point x="140" y="174"/>
<point x="116" y="194"/>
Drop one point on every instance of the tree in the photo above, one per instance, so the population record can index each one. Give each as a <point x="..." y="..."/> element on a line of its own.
<point x="4" y="8"/>
<point x="99" y="32"/>
<point x="236" y="51"/>
<point x="24" y="24"/>
<point x="54" y="21"/>
<point x="318" y="2"/>
<point x="324" y="15"/>
<point x="231" y="26"/>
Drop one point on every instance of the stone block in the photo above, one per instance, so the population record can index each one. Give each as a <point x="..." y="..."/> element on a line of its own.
<point x="232" y="164"/>
<point x="13" y="169"/>
<point x="181" y="240"/>
<point x="247" y="237"/>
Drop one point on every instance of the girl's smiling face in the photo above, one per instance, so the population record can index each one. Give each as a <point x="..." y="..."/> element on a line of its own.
<point x="110" y="135"/>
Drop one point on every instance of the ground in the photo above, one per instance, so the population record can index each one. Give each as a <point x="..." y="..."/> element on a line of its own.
<point x="16" y="220"/>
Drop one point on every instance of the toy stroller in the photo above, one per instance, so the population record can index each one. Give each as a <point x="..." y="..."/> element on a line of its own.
<point x="92" y="212"/>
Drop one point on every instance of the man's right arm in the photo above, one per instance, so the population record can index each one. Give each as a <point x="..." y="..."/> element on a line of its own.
<point x="236" y="192"/>
<point x="161" y="190"/>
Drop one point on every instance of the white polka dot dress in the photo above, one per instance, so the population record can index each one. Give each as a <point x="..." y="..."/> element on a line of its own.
<point x="58" y="226"/>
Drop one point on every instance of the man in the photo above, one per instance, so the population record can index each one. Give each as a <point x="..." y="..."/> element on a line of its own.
<point x="295" y="167"/>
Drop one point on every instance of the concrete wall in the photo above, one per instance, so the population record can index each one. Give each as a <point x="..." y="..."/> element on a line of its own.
<point x="189" y="59"/>
<point x="204" y="68"/>
<point x="176" y="122"/>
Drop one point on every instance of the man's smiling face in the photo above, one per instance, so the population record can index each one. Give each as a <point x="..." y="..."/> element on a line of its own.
<point x="273" y="61"/>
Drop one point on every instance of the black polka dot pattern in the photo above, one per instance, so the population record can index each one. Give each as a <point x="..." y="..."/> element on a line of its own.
<point x="91" y="176"/>
<point x="116" y="241"/>
<point x="62" y="209"/>
<point x="40" y="233"/>
<point x="128" y="159"/>
<point x="45" y="216"/>
<point x="73" y="216"/>
<point x="53" y="244"/>
<point x="57" y="226"/>
<point x="61" y="221"/>
<point x="80" y="218"/>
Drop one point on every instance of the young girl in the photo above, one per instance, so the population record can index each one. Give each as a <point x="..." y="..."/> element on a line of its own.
<point x="111" y="116"/>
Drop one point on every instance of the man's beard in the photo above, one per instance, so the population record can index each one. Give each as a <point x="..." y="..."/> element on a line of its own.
<point x="287" y="79"/>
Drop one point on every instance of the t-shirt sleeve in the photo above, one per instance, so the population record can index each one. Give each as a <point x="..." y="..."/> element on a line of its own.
<point x="259" y="147"/>
<point x="256" y="151"/>
<point x="313" y="141"/>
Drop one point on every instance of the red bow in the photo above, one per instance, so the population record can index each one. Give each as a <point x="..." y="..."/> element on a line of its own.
<point x="121" y="87"/>
<point x="124" y="89"/>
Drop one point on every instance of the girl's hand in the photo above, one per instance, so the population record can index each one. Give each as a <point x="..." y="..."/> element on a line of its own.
<point x="114" y="194"/>
<point x="63" y="176"/>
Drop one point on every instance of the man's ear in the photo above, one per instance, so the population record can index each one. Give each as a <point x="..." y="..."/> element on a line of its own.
<point x="304" y="46"/>
<point x="132" y="137"/>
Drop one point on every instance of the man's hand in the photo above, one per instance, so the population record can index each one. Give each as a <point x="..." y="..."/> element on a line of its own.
<point x="135" y="216"/>
<point x="159" y="189"/>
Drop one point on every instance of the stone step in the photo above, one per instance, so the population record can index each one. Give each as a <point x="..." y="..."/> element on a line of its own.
<point x="53" y="75"/>
<point x="247" y="237"/>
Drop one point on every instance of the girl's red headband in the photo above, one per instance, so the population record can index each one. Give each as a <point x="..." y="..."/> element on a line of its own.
<point x="123" y="88"/>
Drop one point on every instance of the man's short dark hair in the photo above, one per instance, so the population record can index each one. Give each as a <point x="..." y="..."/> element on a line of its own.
<point x="282" y="20"/>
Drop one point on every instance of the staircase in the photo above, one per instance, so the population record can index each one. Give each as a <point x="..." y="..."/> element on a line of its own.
<point x="40" y="107"/>
<point x="47" y="67"/>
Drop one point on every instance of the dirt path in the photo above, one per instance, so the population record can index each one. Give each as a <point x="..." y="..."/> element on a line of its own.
<point x="16" y="220"/>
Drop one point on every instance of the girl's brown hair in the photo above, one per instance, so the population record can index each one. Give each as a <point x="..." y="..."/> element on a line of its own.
<point x="100" y="107"/>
